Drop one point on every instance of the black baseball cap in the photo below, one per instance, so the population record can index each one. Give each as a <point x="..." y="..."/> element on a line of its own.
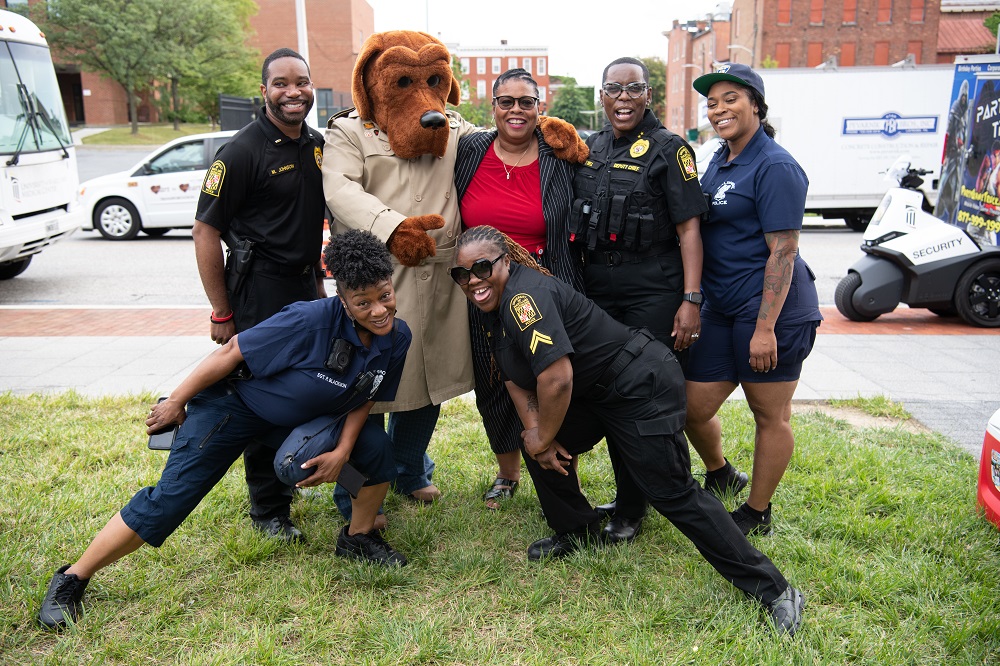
<point x="734" y="72"/>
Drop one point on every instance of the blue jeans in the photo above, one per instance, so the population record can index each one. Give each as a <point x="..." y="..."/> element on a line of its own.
<point x="217" y="430"/>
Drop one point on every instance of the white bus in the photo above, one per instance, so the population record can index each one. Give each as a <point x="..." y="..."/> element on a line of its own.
<point x="38" y="173"/>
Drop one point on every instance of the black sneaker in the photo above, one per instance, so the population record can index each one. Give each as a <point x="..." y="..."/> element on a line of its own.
<point x="749" y="524"/>
<point x="786" y="611"/>
<point x="370" y="547"/>
<point x="725" y="481"/>
<point x="280" y="527"/>
<point x="62" y="600"/>
<point x="565" y="543"/>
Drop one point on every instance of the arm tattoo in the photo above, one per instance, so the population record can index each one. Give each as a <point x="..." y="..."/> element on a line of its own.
<point x="532" y="402"/>
<point x="784" y="247"/>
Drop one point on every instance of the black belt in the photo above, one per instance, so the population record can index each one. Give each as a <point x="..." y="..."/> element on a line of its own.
<point x="619" y="257"/>
<point x="282" y="270"/>
<point x="631" y="350"/>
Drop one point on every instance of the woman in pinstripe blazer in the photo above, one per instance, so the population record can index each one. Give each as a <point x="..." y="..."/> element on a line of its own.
<point x="510" y="179"/>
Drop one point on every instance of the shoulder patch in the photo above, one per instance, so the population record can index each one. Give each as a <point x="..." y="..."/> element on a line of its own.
<point x="213" y="178"/>
<point x="538" y="338"/>
<point x="685" y="160"/>
<point x="525" y="312"/>
<point x="318" y="154"/>
<point x="639" y="148"/>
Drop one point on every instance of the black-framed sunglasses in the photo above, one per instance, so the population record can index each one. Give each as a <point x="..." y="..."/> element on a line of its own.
<point x="634" y="90"/>
<point x="481" y="268"/>
<point x="506" y="102"/>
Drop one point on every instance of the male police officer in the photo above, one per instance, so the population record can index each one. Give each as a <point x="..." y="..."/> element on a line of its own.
<point x="264" y="195"/>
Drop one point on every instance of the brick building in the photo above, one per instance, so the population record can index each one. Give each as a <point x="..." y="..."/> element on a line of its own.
<point x="481" y="65"/>
<point x="807" y="33"/>
<point x="693" y="48"/>
<point x="962" y="31"/>
<point x="336" y="28"/>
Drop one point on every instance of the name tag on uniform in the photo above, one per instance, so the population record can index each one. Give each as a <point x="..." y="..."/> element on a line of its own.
<point x="282" y="169"/>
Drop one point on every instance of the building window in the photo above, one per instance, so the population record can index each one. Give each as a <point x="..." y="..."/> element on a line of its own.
<point x="814" y="54"/>
<point x="480" y="65"/>
<point x="465" y="65"/>
<point x="816" y="12"/>
<point x="495" y="63"/>
<point x="481" y="89"/>
<point x="541" y="67"/>
<point x="881" y="53"/>
<point x="541" y="94"/>
<point x="526" y="64"/>
<point x="783" y="54"/>
<point x="884" y="13"/>
<point x="915" y="47"/>
<point x="916" y="11"/>
<point x="511" y="63"/>
<point x="850" y="11"/>
<point x="848" y="54"/>
<point x="784" y="12"/>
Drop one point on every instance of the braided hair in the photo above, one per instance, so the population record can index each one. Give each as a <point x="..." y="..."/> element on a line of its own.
<point x="357" y="259"/>
<point x="502" y="242"/>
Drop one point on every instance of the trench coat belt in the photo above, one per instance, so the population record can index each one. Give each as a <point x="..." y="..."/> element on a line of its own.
<point x="630" y="350"/>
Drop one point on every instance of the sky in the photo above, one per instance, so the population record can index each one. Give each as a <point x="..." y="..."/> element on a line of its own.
<point x="582" y="36"/>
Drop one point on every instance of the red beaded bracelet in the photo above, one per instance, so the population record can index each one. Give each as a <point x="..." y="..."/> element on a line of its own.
<point x="221" y="320"/>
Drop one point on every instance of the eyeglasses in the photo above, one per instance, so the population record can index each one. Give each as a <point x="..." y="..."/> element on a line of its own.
<point x="506" y="102"/>
<point x="481" y="268"/>
<point x="634" y="90"/>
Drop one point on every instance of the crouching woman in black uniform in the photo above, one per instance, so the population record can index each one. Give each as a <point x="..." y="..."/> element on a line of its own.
<point x="577" y="375"/>
<point x="295" y="379"/>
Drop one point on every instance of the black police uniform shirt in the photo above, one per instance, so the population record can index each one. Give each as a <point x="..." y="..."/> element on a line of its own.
<point x="287" y="354"/>
<point x="269" y="188"/>
<point x="540" y="320"/>
<point x="672" y="171"/>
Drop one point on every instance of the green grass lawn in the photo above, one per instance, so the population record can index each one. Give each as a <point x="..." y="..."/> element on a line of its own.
<point x="149" y="134"/>
<point x="877" y="526"/>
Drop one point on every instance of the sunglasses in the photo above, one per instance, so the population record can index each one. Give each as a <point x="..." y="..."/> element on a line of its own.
<point x="481" y="268"/>
<point x="634" y="90"/>
<point x="506" y="102"/>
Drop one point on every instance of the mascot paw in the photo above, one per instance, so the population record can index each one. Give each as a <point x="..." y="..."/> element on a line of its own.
<point x="410" y="243"/>
<point x="563" y="138"/>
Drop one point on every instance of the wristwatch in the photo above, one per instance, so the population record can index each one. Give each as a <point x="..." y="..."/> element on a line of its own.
<point x="693" y="297"/>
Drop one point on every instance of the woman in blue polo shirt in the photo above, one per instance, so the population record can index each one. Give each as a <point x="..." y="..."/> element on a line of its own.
<point x="761" y="311"/>
<point x="296" y="377"/>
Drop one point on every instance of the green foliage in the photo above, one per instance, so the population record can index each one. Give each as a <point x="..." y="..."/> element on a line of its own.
<point x="478" y="113"/>
<point x="878" y="527"/>
<point x="658" y="82"/>
<point x="769" y="63"/>
<point x="876" y="406"/>
<point x="149" y="134"/>
<point x="992" y="22"/>
<point x="571" y="103"/>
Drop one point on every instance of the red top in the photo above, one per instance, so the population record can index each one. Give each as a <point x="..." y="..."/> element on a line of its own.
<point x="513" y="206"/>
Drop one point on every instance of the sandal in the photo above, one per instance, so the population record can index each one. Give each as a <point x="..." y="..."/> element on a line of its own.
<point x="501" y="489"/>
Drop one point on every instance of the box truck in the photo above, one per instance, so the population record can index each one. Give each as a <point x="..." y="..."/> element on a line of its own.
<point x="846" y="126"/>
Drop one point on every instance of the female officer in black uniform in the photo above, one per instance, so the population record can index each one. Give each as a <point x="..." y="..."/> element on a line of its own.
<point x="295" y="379"/>
<point x="577" y="375"/>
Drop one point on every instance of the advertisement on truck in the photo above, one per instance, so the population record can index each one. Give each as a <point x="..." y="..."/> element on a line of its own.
<point x="38" y="172"/>
<point x="970" y="172"/>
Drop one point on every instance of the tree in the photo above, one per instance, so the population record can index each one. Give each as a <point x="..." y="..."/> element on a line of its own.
<point x="572" y="103"/>
<point x="992" y="22"/>
<point x="658" y="82"/>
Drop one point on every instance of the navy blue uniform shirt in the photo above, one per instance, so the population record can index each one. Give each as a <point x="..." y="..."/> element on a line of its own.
<point x="287" y="354"/>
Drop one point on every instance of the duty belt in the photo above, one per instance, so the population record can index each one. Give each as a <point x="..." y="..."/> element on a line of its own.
<point x="631" y="350"/>
<point x="282" y="270"/>
<point x="619" y="257"/>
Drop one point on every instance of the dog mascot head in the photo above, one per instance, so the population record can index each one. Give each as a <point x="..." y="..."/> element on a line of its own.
<point x="402" y="80"/>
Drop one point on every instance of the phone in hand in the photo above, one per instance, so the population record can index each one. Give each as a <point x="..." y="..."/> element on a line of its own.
<point x="162" y="440"/>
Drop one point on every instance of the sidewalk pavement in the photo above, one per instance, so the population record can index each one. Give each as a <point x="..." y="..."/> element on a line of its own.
<point x="945" y="373"/>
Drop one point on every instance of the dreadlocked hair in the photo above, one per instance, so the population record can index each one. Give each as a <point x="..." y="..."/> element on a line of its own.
<point x="502" y="242"/>
<point x="357" y="259"/>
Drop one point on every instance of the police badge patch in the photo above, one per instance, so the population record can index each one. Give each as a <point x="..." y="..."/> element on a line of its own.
<point x="685" y="160"/>
<point x="639" y="148"/>
<point x="524" y="310"/>
<point x="318" y="154"/>
<point x="213" y="179"/>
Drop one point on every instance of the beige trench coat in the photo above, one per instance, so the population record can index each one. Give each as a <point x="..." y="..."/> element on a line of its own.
<point x="368" y="187"/>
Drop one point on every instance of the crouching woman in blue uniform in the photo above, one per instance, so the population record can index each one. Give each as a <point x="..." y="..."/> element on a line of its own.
<point x="295" y="378"/>
<point x="576" y="375"/>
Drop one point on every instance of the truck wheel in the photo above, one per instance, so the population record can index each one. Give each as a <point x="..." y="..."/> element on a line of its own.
<point x="977" y="296"/>
<point x="13" y="268"/>
<point x="843" y="295"/>
<point x="117" y="219"/>
<point x="857" y="222"/>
